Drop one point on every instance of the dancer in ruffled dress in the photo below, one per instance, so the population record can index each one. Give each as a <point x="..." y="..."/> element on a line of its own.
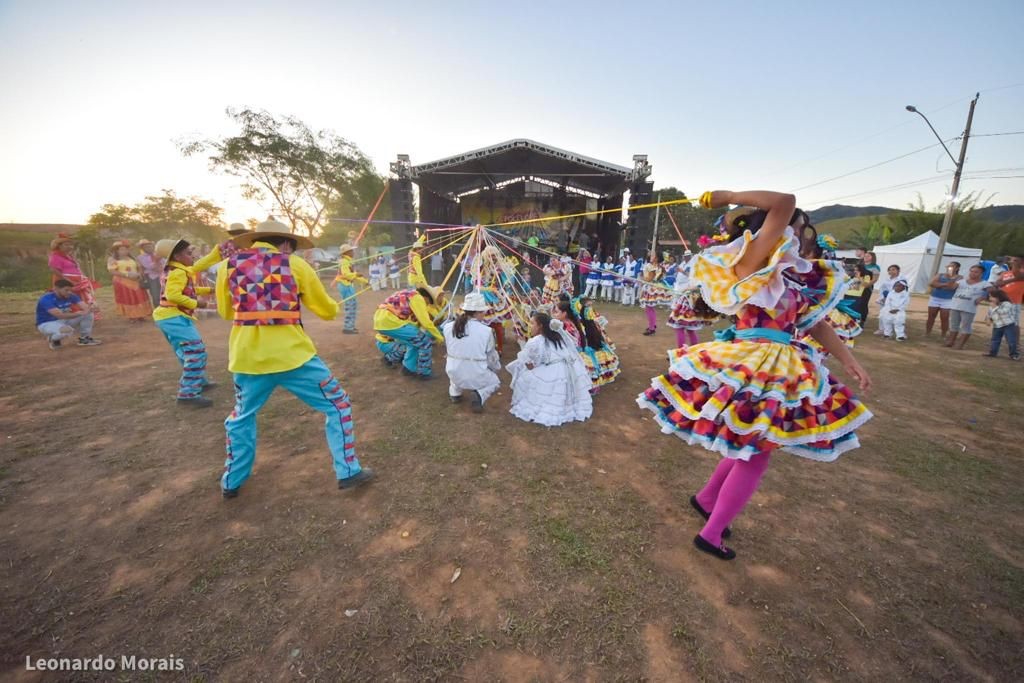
<point x="760" y="390"/>
<point x="550" y="386"/>
<point x="653" y="292"/>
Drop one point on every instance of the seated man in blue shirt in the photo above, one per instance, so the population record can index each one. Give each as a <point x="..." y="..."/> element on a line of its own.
<point x="59" y="313"/>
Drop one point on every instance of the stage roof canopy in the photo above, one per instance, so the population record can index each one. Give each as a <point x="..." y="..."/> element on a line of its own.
<point x="520" y="159"/>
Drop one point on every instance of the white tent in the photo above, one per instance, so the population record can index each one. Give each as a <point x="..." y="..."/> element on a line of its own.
<point x="916" y="256"/>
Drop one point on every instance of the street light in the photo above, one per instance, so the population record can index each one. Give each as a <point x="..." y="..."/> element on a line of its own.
<point x="947" y="222"/>
<point x="914" y="109"/>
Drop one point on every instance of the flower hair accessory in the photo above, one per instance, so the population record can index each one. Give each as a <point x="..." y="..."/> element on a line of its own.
<point x="557" y="325"/>
<point x="828" y="242"/>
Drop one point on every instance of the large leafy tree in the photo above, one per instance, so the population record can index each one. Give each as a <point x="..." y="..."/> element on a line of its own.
<point x="693" y="221"/>
<point x="297" y="172"/>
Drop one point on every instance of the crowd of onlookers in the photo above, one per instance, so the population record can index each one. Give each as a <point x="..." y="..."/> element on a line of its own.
<point x="953" y="301"/>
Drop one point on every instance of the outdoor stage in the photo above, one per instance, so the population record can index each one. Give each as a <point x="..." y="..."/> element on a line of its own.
<point x="521" y="179"/>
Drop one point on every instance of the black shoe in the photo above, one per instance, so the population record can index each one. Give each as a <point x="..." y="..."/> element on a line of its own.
<point x="208" y="385"/>
<point x="365" y="476"/>
<point x="726" y="533"/>
<point x="478" y="402"/>
<point x="54" y="344"/>
<point x="88" y="341"/>
<point x="197" y="402"/>
<point x="388" y="364"/>
<point x="721" y="552"/>
<point x="648" y="332"/>
<point x="229" y="493"/>
<point x="455" y="399"/>
<point x="350" y="331"/>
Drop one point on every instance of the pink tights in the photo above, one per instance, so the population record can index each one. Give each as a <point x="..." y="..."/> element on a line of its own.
<point x="730" y="487"/>
<point x="652" y="317"/>
<point x="685" y="337"/>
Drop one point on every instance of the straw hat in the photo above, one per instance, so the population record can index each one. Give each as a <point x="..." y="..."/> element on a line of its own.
<point x="143" y="242"/>
<point x="164" y="248"/>
<point x="437" y="294"/>
<point x="474" y="302"/>
<point x="346" y="248"/>
<point x="236" y="229"/>
<point x="271" y="228"/>
<point x="60" y="239"/>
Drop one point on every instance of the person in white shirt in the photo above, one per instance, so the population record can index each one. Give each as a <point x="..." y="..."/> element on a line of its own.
<point x="969" y="293"/>
<point x="884" y="287"/>
<point x="375" y="274"/>
<point x="893" y="317"/>
<point x="630" y="284"/>
<point x="472" y="353"/>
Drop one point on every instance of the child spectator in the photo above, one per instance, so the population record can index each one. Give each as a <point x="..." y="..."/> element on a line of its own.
<point x="1002" y="316"/>
<point x="893" y="317"/>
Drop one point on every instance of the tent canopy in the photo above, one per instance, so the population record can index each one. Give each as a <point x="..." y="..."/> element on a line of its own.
<point x="916" y="256"/>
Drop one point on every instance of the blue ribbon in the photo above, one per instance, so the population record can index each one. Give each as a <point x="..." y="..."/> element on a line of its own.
<point x="753" y="334"/>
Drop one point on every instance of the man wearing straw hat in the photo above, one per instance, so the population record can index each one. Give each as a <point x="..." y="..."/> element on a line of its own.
<point x="405" y="329"/>
<point x="346" y="281"/>
<point x="262" y="290"/>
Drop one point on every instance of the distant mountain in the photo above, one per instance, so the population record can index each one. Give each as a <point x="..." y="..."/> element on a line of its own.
<point x="1002" y="214"/>
<point x="828" y="213"/>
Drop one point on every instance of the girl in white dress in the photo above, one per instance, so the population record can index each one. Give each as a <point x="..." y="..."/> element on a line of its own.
<point x="550" y="385"/>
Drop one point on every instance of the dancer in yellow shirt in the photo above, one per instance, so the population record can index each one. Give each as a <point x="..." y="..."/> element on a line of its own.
<point x="262" y="290"/>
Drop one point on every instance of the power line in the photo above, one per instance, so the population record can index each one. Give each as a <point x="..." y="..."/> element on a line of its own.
<point x="992" y="135"/>
<point x="866" y="168"/>
<point x="868" y="137"/>
<point x="900" y="186"/>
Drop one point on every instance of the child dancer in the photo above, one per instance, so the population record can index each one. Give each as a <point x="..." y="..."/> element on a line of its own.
<point x="176" y="315"/>
<point x="472" y="358"/>
<point x="550" y="386"/>
<point x="376" y="273"/>
<point x="1002" y="315"/>
<point x="689" y="314"/>
<point x="893" y="316"/>
<point x="394" y="272"/>
<point x="593" y="280"/>
<point x="598" y="354"/>
<point x="758" y="391"/>
<point x="631" y="274"/>
<point x="618" y="284"/>
<point x="607" y="279"/>
<point x="347" y="280"/>
<point x="652" y="292"/>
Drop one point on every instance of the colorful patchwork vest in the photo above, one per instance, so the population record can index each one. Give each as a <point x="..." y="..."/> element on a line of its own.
<point x="263" y="289"/>
<point x="188" y="290"/>
<point x="398" y="303"/>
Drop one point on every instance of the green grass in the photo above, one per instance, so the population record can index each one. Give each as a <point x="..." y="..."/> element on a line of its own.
<point x="573" y="546"/>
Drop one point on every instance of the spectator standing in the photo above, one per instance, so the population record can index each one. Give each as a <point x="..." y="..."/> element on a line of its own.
<point x="943" y="288"/>
<point x="969" y="293"/>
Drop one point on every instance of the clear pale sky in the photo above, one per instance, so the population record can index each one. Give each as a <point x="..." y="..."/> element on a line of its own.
<point x="733" y="95"/>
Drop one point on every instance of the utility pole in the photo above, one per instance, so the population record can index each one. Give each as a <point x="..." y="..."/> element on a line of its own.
<point x="654" y="240"/>
<point x="947" y="222"/>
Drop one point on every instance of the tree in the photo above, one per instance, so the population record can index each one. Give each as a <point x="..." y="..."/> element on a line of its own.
<point x="693" y="221"/>
<point x="286" y="164"/>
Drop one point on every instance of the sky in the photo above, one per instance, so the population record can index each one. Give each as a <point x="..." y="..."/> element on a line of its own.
<point x="776" y="95"/>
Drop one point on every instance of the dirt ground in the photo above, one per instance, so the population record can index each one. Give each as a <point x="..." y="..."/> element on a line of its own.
<point x="901" y="561"/>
